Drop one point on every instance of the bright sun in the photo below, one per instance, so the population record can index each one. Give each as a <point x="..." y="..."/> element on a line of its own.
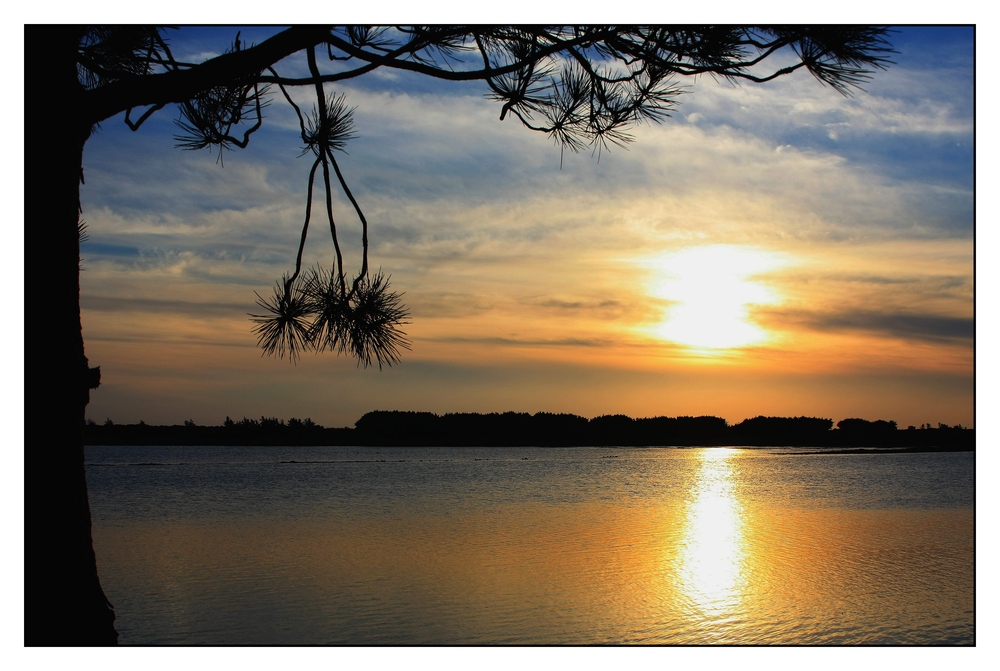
<point x="711" y="289"/>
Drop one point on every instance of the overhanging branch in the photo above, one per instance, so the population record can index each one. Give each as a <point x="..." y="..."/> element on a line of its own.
<point x="179" y="86"/>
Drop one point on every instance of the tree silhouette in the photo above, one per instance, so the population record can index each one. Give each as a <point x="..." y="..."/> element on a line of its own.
<point x="584" y="86"/>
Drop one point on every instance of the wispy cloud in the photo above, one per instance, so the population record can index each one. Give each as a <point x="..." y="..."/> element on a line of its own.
<point x="515" y="342"/>
<point x="930" y="328"/>
<point x="499" y="248"/>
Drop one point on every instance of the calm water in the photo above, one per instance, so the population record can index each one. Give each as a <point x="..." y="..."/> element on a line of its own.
<point x="289" y="545"/>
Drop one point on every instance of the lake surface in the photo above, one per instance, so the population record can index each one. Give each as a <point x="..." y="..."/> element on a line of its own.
<point x="363" y="545"/>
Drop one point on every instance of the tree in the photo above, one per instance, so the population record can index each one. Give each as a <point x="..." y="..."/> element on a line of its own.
<point x="583" y="86"/>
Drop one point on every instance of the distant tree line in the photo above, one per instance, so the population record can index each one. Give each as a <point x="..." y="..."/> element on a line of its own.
<point x="399" y="428"/>
<point x="263" y="431"/>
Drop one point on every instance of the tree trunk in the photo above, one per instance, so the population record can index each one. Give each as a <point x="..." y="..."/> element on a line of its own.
<point x="63" y="600"/>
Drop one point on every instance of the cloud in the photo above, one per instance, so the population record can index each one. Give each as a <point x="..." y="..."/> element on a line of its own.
<point x="440" y="177"/>
<point x="500" y="242"/>
<point x="445" y="304"/>
<point x="152" y="305"/>
<point x="905" y="326"/>
<point x="515" y="342"/>
<point x="923" y="327"/>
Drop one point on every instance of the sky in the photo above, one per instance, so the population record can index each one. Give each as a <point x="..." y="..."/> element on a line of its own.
<point x="773" y="249"/>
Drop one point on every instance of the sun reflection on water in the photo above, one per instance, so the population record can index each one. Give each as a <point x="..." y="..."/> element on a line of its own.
<point x="712" y="546"/>
<point x="696" y="546"/>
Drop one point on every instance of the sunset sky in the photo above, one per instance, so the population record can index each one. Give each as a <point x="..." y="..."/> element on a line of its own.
<point x="772" y="249"/>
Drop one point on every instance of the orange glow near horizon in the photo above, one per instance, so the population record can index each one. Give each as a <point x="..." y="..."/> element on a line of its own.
<point x="590" y="338"/>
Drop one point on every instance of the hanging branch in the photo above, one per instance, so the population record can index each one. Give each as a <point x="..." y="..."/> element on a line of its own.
<point x="322" y="148"/>
<point x="364" y="224"/>
<point x="333" y="226"/>
<point x="318" y="312"/>
<point x="583" y="86"/>
<point x="305" y="227"/>
<point x="134" y="126"/>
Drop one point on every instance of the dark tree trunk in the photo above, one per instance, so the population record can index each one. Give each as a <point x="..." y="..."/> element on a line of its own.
<point x="63" y="600"/>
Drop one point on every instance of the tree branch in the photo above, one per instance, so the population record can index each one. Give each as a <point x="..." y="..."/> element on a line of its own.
<point x="179" y="86"/>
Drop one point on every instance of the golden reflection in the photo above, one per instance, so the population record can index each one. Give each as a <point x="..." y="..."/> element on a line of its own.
<point x="712" y="544"/>
<point x="712" y="570"/>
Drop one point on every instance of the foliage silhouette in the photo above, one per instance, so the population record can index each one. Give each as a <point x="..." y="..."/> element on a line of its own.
<point x="781" y="430"/>
<point x="511" y="429"/>
<point x="583" y="86"/>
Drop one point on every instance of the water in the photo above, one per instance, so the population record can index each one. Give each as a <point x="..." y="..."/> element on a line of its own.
<point x="349" y="545"/>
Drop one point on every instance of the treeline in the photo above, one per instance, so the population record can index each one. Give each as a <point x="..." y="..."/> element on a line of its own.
<point x="265" y="431"/>
<point x="399" y="428"/>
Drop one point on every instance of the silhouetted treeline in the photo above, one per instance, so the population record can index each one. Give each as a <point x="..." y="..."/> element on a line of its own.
<point x="263" y="431"/>
<point x="543" y="429"/>
<point x="398" y="428"/>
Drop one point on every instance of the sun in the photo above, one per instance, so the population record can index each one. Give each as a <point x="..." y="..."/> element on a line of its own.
<point x="711" y="289"/>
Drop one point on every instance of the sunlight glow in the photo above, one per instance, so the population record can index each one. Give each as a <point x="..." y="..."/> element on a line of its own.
<point x="711" y="560"/>
<point x="712" y="289"/>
